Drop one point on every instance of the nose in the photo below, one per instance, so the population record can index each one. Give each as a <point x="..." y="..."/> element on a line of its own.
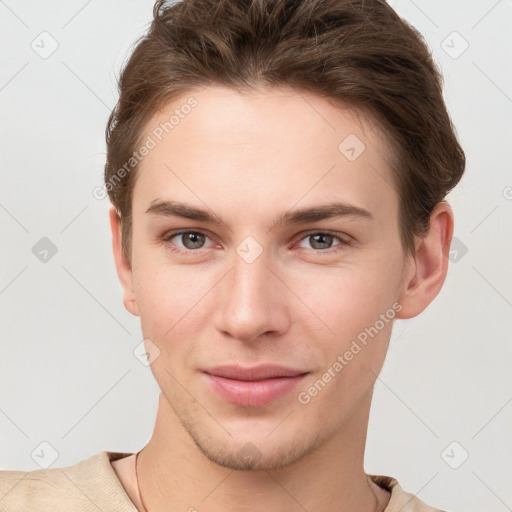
<point x="251" y="301"/>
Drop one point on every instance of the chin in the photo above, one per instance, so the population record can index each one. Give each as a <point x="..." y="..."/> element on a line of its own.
<point x="260" y="454"/>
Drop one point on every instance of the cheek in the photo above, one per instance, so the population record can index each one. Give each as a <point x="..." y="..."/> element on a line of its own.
<point x="169" y="298"/>
<point x="361" y="319"/>
<point x="171" y="316"/>
<point x="343" y="301"/>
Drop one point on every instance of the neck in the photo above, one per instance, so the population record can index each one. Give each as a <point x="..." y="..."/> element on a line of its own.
<point x="175" y="475"/>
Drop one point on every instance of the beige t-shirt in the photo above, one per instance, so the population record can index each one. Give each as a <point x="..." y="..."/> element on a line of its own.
<point x="92" y="485"/>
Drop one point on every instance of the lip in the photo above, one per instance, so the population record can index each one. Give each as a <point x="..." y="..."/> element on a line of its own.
<point x="253" y="386"/>
<point x="251" y="373"/>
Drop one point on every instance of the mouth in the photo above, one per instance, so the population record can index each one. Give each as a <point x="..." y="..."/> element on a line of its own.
<point x="253" y="386"/>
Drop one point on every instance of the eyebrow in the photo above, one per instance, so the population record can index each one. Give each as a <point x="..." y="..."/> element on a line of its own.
<point x="297" y="216"/>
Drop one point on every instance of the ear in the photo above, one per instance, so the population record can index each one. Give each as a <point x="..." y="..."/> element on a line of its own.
<point x="427" y="267"/>
<point x="123" y="268"/>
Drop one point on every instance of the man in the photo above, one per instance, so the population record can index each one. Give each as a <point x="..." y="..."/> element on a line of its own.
<point x="278" y="172"/>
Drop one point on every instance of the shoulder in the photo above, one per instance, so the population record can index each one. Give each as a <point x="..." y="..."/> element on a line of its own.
<point x="88" y="485"/>
<point x="401" y="499"/>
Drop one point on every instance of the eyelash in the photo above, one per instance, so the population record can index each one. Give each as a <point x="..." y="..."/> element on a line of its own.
<point x="340" y="236"/>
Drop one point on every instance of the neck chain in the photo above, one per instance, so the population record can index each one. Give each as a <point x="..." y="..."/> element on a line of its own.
<point x="144" y="509"/>
<point x="138" y="485"/>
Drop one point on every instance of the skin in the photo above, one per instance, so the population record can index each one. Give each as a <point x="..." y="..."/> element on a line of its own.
<point x="248" y="158"/>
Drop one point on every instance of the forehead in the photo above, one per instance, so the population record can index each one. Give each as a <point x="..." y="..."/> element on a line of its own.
<point x="253" y="150"/>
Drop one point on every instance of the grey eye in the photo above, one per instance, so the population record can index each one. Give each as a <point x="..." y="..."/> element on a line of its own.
<point x="191" y="239"/>
<point x="321" y="241"/>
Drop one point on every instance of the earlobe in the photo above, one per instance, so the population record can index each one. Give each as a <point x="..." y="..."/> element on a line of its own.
<point x="124" y="271"/>
<point x="427" y="268"/>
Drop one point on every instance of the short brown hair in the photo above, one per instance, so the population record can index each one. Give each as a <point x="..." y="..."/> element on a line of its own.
<point x="359" y="53"/>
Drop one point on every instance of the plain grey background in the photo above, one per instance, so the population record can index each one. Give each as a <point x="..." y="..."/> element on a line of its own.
<point x="68" y="375"/>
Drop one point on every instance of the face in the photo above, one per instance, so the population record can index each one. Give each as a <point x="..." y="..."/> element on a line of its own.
<point x="267" y="274"/>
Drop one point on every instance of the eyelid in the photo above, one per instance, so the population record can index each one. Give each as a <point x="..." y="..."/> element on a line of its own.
<point x="167" y="236"/>
<point x="343" y="238"/>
